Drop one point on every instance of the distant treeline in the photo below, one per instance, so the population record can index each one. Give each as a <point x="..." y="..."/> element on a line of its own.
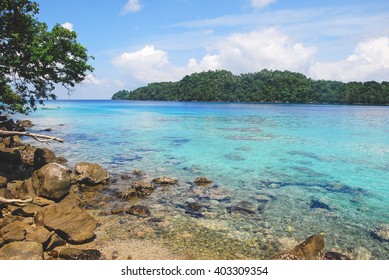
<point x="264" y="86"/>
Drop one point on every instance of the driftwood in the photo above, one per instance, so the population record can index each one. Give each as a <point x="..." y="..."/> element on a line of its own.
<point x="14" y="201"/>
<point x="33" y="135"/>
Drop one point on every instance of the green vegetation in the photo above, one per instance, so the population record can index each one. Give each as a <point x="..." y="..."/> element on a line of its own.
<point x="264" y="86"/>
<point x="34" y="60"/>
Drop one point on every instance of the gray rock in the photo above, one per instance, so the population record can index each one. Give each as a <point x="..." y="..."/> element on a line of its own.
<point x="381" y="233"/>
<point x="52" y="181"/>
<point x="165" y="181"/>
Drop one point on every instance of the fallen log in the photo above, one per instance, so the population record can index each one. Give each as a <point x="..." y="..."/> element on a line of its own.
<point x="33" y="135"/>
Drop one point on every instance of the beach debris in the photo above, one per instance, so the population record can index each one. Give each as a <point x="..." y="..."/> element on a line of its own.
<point x="37" y="137"/>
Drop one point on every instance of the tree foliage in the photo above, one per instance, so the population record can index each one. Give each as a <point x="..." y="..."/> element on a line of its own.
<point x="263" y="86"/>
<point x="33" y="59"/>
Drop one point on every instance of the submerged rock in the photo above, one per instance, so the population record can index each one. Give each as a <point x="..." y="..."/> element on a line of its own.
<point x="165" y="181"/>
<point x="381" y="233"/>
<point x="90" y="173"/>
<point x="317" y="204"/>
<point x="203" y="181"/>
<point x="139" y="210"/>
<point x="52" y="181"/>
<point x="22" y="250"/>
<point x="79" y="254"/>
<point x="335" y="256"/>
<point x="243" y="207"/>
<point x="310" y="249"/>
<point x="142" y="188"/>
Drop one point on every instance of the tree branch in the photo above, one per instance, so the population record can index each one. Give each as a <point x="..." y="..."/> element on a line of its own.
<point x="33" y="135"/>
<point x="14" y="201"/>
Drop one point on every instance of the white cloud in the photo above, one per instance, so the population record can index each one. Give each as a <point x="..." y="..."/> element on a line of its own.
<point x="239" y="53"/>
<point x="132" y="6"/>
<point x="370" y="61"/>
<point x="68" y="26"/>
<point x="259" y="4"/>
<point x="253" y="51"/>
<point x="147" y="65"/>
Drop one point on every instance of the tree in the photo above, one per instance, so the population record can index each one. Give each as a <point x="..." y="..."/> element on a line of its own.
<point x="33" y="59"/>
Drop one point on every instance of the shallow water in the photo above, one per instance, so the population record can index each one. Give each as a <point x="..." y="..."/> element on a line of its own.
<point x="278" y="158"/>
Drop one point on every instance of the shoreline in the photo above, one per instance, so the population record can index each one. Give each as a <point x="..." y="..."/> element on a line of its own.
<point x="121" y="234"/>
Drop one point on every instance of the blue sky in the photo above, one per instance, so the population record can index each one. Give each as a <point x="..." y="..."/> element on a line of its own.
<point x="136" y="42"/>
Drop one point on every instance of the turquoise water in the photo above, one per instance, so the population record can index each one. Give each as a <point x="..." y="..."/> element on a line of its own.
<point x="295" y="154"/>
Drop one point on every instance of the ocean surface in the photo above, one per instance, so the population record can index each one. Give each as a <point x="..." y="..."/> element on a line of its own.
<point x="301" y="169"/>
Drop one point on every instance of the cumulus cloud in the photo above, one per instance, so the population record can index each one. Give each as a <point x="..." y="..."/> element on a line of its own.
<point x="253" y="51"/>
<point x="239" y="53"/>
<point x="147" y="65"/>
<point x="259" y="4"/>
<point x="370" y="61"/>
<point x="68" y="26"/>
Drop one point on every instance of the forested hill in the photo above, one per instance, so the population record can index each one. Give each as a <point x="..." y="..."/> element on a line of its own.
<point x="264" y="86"/>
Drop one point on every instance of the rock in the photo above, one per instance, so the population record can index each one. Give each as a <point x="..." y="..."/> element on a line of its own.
<point x="194" y="206"/>
<point x="10" y="156"/>
<point x="71" y="222"/>
<point x="27" y="155"/>
<point x="3" y="182"/>
<point x="41" y="201"/>
<point x="52" y="181"/>
<point x="61" y="160"/>
<point x="213" y="193"/>
<point x="78" y="254"/>
<point x="318" y="204"/>
<point x="335" y="256"/>
<point x="43" y="157"/>
<point x="30" y="210"/>
<point x="117" y="210"/>
<point x="165" y="181"/>
<point x="139" y="210"/>
<point x="203" y="181"/>
<point x="15" y="231"/>
<point x="381" y="233"/>
<point x="310" y="249"/>
<point x="244" y="207"/>
<point x="28" y="188"/>
<point x="13" y="142"/>
<point x="47" y="129"/>
<point x="142" y="188"/>
<point x="54" y="241"/>
<point x="90" y="173"/>
<point x="24" y="123"/>
<point x="24" y="250"/>
<point x="137" y="172"/>
<point x="10" y="125"/>
<point x="38" y="234"/>
<point x="5" y="193"/>
<point x="125" y="177"/>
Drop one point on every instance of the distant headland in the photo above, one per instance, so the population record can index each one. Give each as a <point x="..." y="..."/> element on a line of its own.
<point x="264" y="86"/>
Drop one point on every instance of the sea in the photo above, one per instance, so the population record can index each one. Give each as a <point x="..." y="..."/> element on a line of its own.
<point x="280" y="172"/>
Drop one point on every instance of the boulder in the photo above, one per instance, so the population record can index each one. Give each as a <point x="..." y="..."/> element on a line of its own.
<point x="381" y="233"/>
<point x="52" y="181"/>
<point x="24" y="123"/>
<point x="10" y="156"/>
<point x="3" y="182"/>
<point x="10" y="125"/>
<point x="79" y="254"/>
<point x="310" y="249"/>
<point x="203" y="181"/>
<point x="13" y="142"/>
<point x="23" y="250"/>
<point x="165" y="181"/>
<point x="43" y="157"/>
<point x="27" y="155"/>
<point x="90" y="173"/>
<point x="54" y="241"/>
<point x="71" y="222"/>
<point x="15" y="231"/>
<point x="139" y="210"/>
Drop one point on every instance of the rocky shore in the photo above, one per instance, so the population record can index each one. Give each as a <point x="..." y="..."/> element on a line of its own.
<point x="52" y="211"/>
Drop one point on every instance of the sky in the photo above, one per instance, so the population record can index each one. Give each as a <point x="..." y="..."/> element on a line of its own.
<point x="136" y="42"/>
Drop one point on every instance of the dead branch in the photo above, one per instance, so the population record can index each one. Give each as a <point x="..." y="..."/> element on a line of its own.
<point x="14" y="201"/>
<point x="33" y="135"/>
